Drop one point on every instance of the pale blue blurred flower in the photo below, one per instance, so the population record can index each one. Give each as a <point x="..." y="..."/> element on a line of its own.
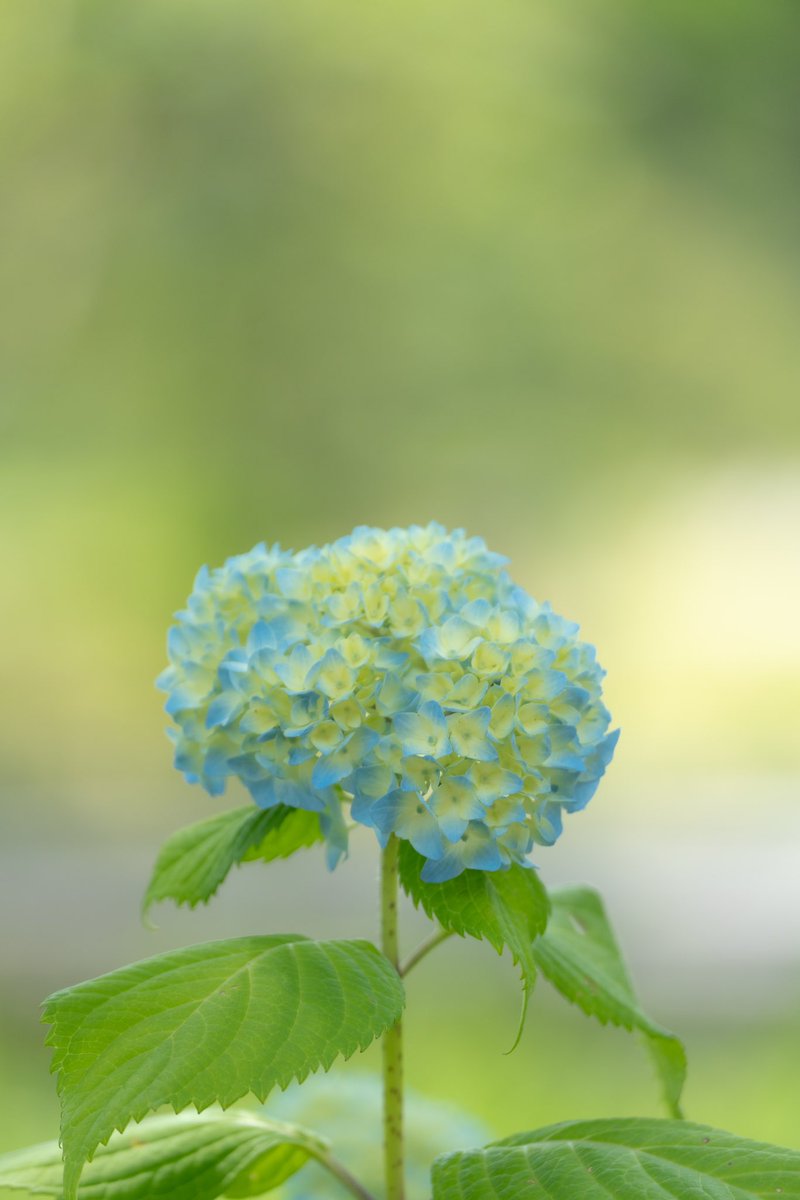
<point x="345" y="1106"/>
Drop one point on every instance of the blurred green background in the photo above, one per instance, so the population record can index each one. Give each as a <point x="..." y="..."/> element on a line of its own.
<point x="273" y="269"/>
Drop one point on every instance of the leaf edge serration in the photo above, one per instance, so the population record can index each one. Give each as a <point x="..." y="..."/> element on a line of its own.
<point x="339" y="1043"/>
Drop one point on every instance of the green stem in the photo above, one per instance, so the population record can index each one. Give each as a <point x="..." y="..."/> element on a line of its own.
<point x="340" y="1172"/>
<point x="393" y="1038"/>
<point x="424" y="948"/>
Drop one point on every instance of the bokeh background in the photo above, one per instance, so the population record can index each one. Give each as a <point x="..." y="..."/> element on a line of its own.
<point x="273" y="269"/>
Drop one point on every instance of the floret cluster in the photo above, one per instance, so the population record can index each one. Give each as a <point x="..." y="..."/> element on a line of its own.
<point x="395" y="678"/>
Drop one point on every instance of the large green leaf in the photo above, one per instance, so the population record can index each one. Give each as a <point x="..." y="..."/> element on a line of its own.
<point x="195" y="861"/>
<point x="209" y="1024"/>
<point x="505" y="908"/>
<point x="579" y="954"/>
<point x="194" y="1156"/>
<point x="620" y="1160"/>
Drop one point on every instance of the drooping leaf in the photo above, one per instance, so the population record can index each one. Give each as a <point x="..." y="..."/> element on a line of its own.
<point x="620" y="1160"/>
<point x="505" y="908"/>
<point x="208" y="1024"/>
<point x="579" y="954"/>
<point x="196" y="860"/>
<point x="194" y="1156"/>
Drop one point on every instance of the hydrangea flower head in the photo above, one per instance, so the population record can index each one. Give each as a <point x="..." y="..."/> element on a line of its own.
<point x="396" y="678"/>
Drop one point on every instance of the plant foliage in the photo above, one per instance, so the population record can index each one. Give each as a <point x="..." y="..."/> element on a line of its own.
<point x="620" y="1160"/>
<point x="507" y="909"/>
<point x="194" y="1156"/>
<point x="195" y="861"/>
<point x="208" y="1024"/>
<point x="579" y="954"/>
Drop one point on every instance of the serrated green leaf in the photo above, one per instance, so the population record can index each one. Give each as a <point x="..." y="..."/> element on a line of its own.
<point x="579" y="954"/>
<point x="620" y="1160"/>
<point x="194" y="1156"/>
<point x="208" y="1024"/>
<point x="505" y="908"/>
<point x="195" y="861"/>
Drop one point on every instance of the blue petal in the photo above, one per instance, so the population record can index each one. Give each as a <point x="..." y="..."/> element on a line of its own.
<point x="166" y="679"/>
<point x="580" y="796"/>
<point x="262" y="637"/>
<point x="393" y="696"/>
<point x="443" y="869"/>
<point x="361" y="810"/>
<point x="334" y="829"/>
<point x="455" y="803"/>
<point x="332" y="768"/>
<point x="476" y="849"/>
<point x="372" y="782"/>
<point x="223" y="709"/>
<point x="548" y="824"/>
<point x="263" y="792"/>
<point x="234" y="674"/>
<point x="423" y="732"/>
<point x="477" y="612"/>
<point x="298" y="795"/>
<point x="408" y="816"/>
<point x="607" y="747"/>
<point x="565" y="762"/>
<point x="385" y="657"/>
<point x="480" y="849"/>
<point x="178" y="643"/>
<point x="293" y="584"/>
